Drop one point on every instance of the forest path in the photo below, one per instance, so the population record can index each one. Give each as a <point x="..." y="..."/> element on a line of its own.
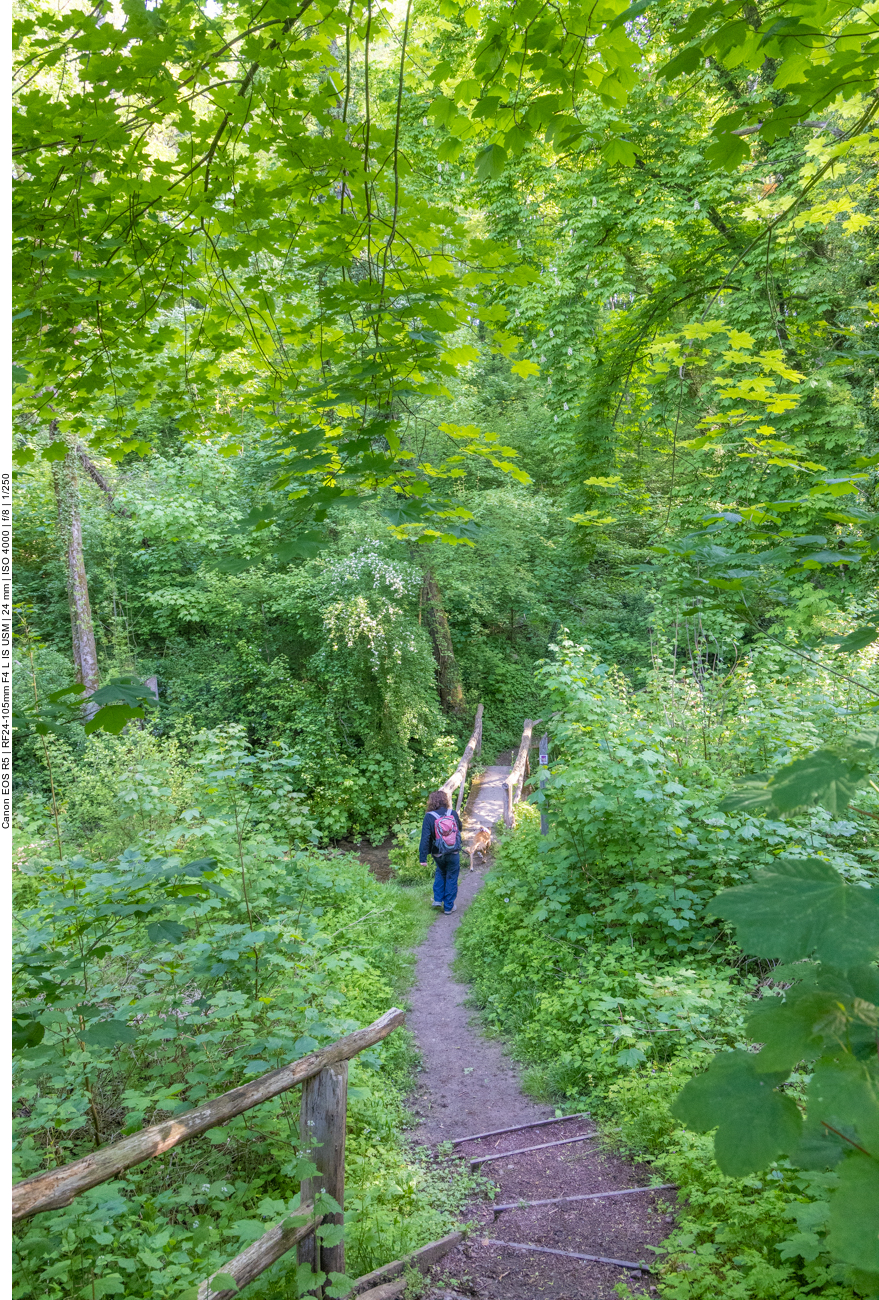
<point x="468" y="1085"/>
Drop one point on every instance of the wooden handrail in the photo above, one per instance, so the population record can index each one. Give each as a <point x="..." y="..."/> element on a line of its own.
<point x="58" y="1187"/>
<point x="513" y="783"/>
<point x="458" y="778"/>
<point x="261" y="1254"/>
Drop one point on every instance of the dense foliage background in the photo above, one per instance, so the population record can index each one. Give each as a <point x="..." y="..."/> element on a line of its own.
<point x="371" y="365"/>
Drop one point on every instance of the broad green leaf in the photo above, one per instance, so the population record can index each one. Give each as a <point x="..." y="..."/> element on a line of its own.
<point x="223" y="1282"/>
<point x="750" y="795"/>
<point x="166" y="931"/>
<point x="340" y="1285"/>
<point x="824" y="777"/>
<point x="250" y="1229"/>
<point x="843" y="1095"/>
<point x="802" y="908"/>
<point x="305" y="547"/>
<point x="331" y="1234"/>
<point x="853" y="1233"/>
<point x="634" y="11"/>
<point x="755" y="1123"/>
<point x="857" y="640"/>
<point x="490" y="162"/>
<point x="109" y="1033"/>
<point x="620" y="151"/>
<point x="788" y="1030"/>
<point x="122" y="701"/>
<point x="26" y="1031"/>
<point x="112" y="718"/>
<point x="727" y="151"/>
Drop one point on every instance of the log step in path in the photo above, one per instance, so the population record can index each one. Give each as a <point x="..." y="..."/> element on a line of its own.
<point x="589" y="1217"/>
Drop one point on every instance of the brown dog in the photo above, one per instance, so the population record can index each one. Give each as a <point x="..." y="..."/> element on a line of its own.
<point x="481" y="844"/>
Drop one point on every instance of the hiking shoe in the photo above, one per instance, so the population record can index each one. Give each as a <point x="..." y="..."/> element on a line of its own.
<point x="436" y="904"/>
<point x="453" y="908"/>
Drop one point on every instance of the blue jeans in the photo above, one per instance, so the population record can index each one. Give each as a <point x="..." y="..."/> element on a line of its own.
<point x="445" y="880"/>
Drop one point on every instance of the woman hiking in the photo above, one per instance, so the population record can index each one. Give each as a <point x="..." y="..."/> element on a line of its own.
<point x="441" y="837"/>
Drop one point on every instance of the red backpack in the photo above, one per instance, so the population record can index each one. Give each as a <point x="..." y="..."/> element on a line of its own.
<point x="446" y="835"/>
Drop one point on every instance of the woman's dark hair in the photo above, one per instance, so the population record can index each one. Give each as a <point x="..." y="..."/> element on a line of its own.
<point x="436" y="800"/>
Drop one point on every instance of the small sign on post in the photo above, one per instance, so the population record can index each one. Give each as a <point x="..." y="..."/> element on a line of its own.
<point x="544" y="763"/>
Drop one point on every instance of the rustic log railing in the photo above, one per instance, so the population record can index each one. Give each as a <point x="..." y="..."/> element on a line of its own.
<point x="521" y="768"/>
<point x="324" y="1075"/>
<point x="458" y="779"/>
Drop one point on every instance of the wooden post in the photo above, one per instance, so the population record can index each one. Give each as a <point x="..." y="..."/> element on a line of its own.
<point x="322" y="1128"/>
<point x="544" y="763"/>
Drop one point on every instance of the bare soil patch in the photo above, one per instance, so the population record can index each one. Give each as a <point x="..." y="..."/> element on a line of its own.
<point x="374" y="856"/>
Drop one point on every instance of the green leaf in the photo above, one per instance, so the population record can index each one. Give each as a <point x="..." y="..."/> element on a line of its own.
<point x="490" y="162"/>
<point x="843" y="1095"/>
<point x="305" y="547"/>
<point x="223" y="1282"/>
<point x="787" y="1029"/>
<point x="55" y="451"/>
<point x="109" y="1284"/>
<point x="824" y="777"/>
<point x="857" y="640"/>
<point x="26" y="1031"/>
<point x="250" y="1229"/>
<point x="755" y="1124"/>
<point x="800" y="908"/>
<point x="687" y="61"/>
<point x="749" y="795"/>
<point x="331" y="1233"/>
<point x="340" y="1285"/>
<point x="166" y="931"/>
<point x="853" y="1234"/>
<point x="112" y="718"/>
<point x="620" y="151"/>
<point x="727" y="151"/>
<point x="109" y="1033"/>
<point x="634" y="11"/>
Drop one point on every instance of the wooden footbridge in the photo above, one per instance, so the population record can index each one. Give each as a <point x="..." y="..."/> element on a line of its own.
<point x="512" y="778"/>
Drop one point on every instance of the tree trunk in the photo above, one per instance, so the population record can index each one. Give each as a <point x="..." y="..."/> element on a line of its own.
<point x="85" y="655"/>
<point x="447" y="676"/>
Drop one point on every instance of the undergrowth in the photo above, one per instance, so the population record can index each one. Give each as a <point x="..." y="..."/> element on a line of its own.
<point x="590" y="951"/>
<point x="220" y="944"/>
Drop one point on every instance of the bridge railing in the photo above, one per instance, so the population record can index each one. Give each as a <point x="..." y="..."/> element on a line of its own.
<point x="458" y="779"/>
<point x="520" y="769"/>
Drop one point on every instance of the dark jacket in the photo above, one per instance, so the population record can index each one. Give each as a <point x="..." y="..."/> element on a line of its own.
<point x="428" y="843"/>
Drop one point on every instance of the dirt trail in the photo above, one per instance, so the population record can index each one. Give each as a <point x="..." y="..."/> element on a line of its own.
<point x="468" y="1085"/>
